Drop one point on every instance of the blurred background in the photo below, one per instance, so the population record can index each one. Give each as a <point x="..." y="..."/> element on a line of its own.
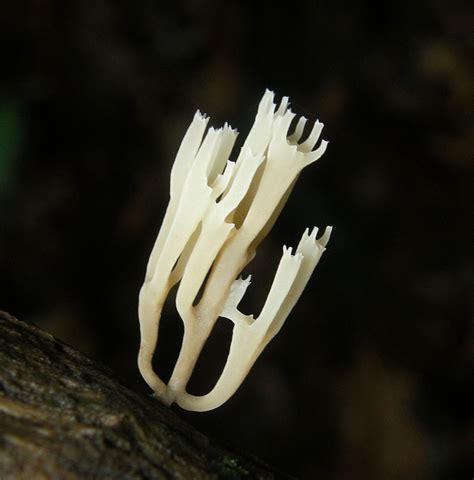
<point x="369" y="377"/>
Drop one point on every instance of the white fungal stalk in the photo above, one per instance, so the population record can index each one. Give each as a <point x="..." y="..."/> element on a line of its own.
<point x="219" y="211"/>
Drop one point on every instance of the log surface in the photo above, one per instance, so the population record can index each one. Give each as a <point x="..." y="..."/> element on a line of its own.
<point x="63" y="416"/>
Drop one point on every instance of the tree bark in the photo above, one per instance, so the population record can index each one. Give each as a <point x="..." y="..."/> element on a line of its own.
<point x="63" y="416"/>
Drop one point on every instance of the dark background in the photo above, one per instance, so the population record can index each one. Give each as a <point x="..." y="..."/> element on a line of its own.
<point x="369" y="377"/>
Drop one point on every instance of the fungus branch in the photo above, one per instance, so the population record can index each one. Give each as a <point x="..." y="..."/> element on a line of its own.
<point x="218" y="213"/>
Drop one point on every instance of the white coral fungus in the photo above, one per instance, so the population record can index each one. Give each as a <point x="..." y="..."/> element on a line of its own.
<point x="219" y="211"/>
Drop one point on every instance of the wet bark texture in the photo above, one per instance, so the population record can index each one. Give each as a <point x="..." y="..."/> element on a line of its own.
<point x="63" y="416"/>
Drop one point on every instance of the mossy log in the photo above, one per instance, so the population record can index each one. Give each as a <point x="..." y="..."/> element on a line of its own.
<point x="63" y="416"/>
